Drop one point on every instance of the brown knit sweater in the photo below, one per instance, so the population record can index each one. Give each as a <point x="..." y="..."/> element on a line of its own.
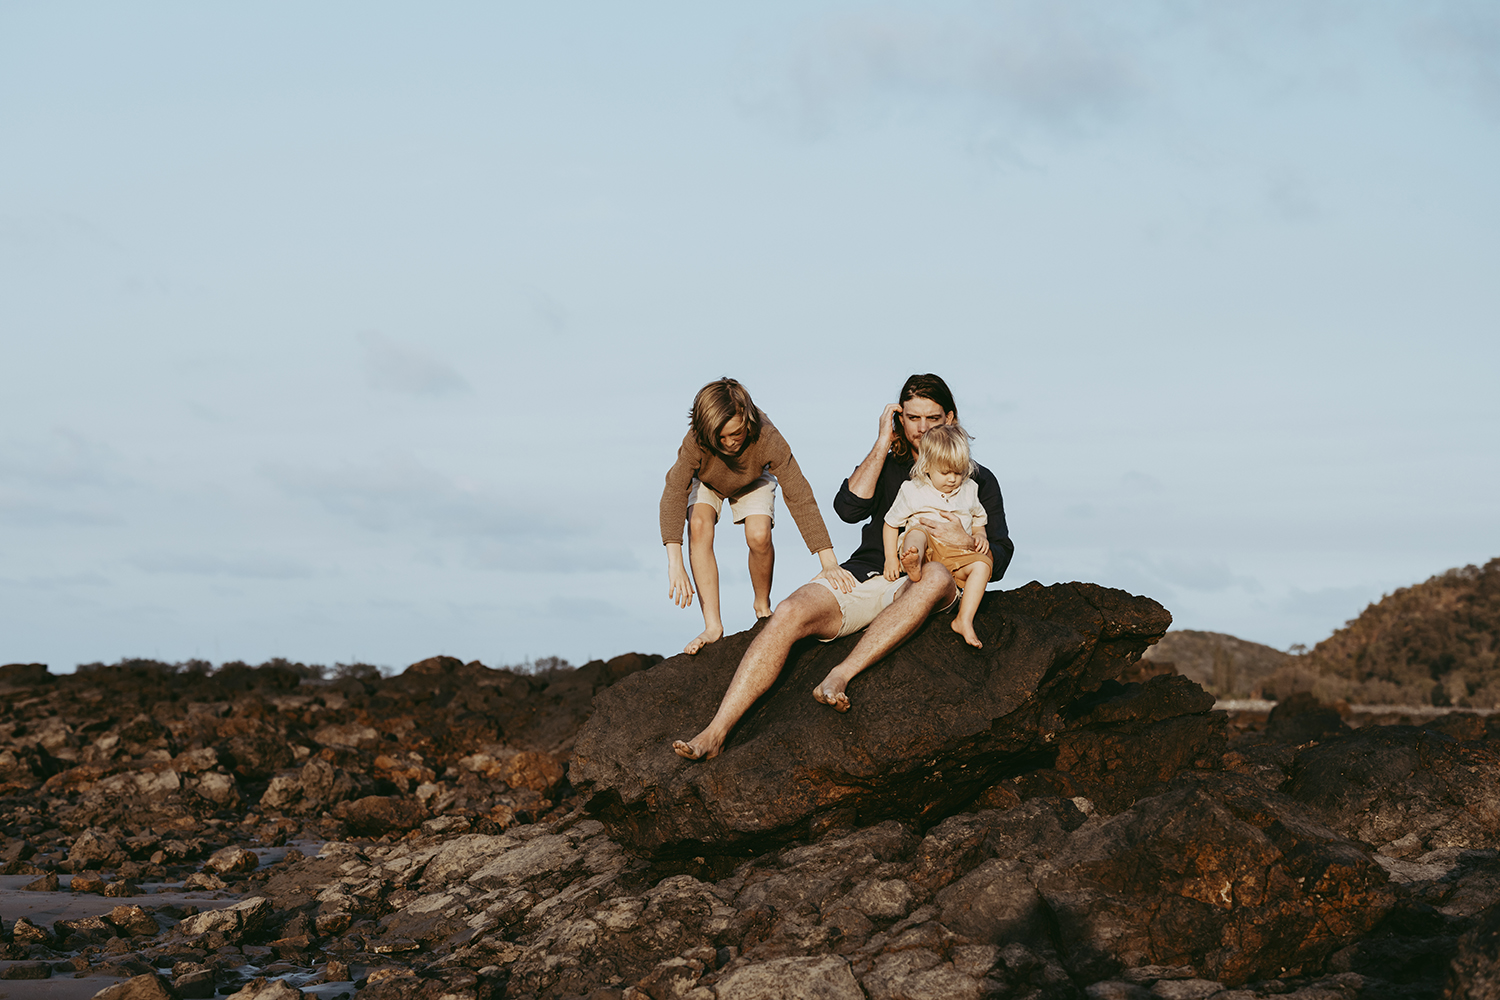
<point x="770" y="451"/>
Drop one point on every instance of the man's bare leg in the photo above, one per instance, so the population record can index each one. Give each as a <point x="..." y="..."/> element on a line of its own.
<point x="810" y="610"/>
<point x="701" y="519"/>
<point x="762" y="561"/>
<point x="917" y="600"/>
<point x="974" y="577"/>
<point x="914" y="554"/>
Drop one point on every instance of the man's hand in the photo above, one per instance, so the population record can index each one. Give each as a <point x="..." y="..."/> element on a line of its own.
<point x="887" y="424"/>
<point x="945" y="526"/>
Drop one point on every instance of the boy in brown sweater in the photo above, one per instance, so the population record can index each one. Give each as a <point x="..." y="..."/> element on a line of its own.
<point x="733" y="452"/>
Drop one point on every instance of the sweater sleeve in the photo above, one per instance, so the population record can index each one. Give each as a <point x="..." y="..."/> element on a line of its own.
<point x="795" y="490"/>
<point x="674" y="494"/>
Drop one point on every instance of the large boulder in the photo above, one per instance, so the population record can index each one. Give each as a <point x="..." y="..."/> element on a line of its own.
<point x="1385" y="783"/>
<point x="931" y="725"/>
<point x="1217" y="873"/>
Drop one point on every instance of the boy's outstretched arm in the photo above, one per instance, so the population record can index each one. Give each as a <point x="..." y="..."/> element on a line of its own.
<point x="680" y="589"/>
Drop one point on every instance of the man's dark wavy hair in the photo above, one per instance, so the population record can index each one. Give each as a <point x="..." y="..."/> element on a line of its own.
<point x="927" y="386"/>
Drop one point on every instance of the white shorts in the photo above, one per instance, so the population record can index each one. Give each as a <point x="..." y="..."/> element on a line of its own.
<point x="760" y="498"/>
<point x="860" y="606"/>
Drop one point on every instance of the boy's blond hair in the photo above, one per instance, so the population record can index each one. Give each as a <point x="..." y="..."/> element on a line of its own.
<point x="715" y="405"/>
<point x="944" y="447"/>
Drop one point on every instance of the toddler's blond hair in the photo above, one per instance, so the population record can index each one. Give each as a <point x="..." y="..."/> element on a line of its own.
<point x="945" y="447"/>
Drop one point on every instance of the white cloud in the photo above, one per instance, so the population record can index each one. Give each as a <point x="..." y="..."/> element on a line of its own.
<point x="495" y="530"/>
<point x="400" y="368"/>
<point x="1018" y="65"/>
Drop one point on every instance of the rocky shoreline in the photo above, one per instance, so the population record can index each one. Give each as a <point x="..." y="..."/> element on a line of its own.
<point x="257" y="832"/>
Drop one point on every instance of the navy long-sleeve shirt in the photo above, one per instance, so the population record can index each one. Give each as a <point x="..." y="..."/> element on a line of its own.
<point x="869" y="559"/>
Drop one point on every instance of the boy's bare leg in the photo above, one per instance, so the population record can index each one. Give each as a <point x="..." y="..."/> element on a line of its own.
<point x="701" y="519"/>
<point x="915" y="554"/>
<point x="762" y="561"/>
<point x="974" y="577"/>
<point x="810" y="610"/>
<point x="891" y="627"/>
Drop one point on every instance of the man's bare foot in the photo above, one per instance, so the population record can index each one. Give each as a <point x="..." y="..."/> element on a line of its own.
<point x="966" y="629"/>
<point x="701" y="748"/>
<point x="828" y="695"/>
<point x="911" y="561"/>
<point x="703" y="638"/>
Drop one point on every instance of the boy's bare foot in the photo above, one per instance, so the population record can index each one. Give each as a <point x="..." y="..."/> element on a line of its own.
<point x="763" y="612"/>
<point x="701" y="748"/>
<point x="966" y="629"/>
<point x="827" y="694"/>
<point x="911" y="561"/>
<point x="703" y="638"/>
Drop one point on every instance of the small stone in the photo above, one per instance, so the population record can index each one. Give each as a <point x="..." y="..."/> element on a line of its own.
<point x="232" y="859"/>
<point x="47" y="883"/>
<point x="1117" y="989"/>
<point x="26" y="932"/>
<point x="122" y="888"/>
<point x="149" y="986"/>
<point x="27" y="970"/>
<point x="87" y="882"/>
<point x="133" y="920"/>
<point x="1186" y="989"/>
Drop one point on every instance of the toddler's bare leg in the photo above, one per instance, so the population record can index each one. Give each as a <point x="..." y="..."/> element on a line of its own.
<point x="762" y="561"/>
<point x="973" y="577"/>
<point x="914" y="555"/>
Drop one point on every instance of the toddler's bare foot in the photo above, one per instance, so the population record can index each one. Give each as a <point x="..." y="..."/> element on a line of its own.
<point x="966" y="629"/>
<point x="911" y="561"/>
<point x="763" y="610"/>
<point x="831" y="692"/>
<point x="701" y="748"/>
<point x="703" y="638"/>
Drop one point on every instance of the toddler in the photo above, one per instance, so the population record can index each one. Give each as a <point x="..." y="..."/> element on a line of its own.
<point x="940" y="484"/>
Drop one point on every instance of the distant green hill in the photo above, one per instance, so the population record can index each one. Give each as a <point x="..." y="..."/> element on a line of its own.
<point x="1436" y="642"/>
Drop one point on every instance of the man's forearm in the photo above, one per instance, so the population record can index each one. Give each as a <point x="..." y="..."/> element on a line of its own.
<point x="862" y="482"/>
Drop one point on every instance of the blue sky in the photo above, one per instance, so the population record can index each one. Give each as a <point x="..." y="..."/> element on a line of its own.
<point x="368" y="331"/>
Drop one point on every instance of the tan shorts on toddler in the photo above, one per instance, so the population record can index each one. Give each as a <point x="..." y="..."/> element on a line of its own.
<point x="759" y="498"/>
<point x="952" y="557"/>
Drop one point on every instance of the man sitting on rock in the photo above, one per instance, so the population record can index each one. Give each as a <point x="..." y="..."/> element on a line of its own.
<point x="888" y="610"/>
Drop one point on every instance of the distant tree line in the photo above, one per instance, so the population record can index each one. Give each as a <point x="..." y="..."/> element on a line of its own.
<point x="1437" y="642"/>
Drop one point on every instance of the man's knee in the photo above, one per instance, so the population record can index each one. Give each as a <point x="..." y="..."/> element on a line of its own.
<point x="805" y="608"/>
<point x="935" y="586"/>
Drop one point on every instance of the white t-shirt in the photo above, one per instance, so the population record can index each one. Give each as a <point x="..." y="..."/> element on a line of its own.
<point x="918" y="497"/>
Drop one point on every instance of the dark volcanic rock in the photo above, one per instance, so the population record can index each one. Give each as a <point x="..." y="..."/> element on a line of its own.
<point x="931" y="725"/>
<point x="1387" y="782"/>
<point x="1126" y="741"/>
<point x="1216" y="873"/>
<point x="1301" y="717"/>
<point x="1475" y="971"/>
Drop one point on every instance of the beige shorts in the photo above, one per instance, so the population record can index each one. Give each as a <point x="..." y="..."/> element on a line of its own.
<point x="760" y="498"/>
<point x="860" y="606"/>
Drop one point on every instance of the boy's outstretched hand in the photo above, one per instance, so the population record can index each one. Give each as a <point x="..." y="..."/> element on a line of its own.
<point x="680" y="588"/>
